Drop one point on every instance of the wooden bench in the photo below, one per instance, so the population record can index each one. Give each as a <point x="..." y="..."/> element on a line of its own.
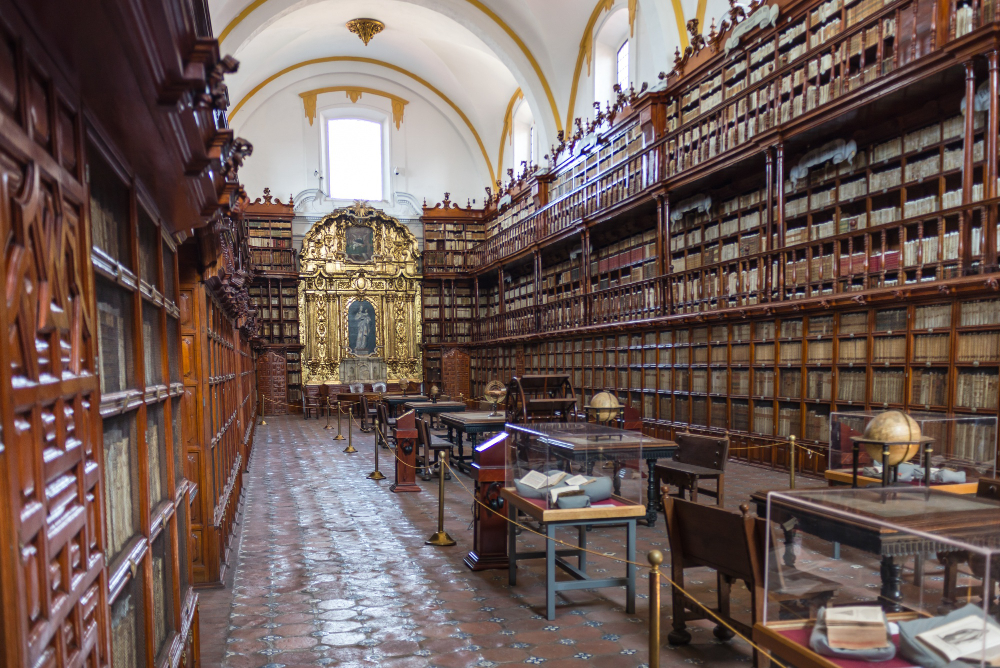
<point x="697" y="458"/>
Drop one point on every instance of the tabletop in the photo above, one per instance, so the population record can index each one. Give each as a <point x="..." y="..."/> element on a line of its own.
<point x="474" y="417"/>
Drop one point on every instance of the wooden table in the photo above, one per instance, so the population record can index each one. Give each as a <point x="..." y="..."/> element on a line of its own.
<point x="471" y="423"/>
<point x="433" y="408"/>
<point x="962" y="517"/>
<point x="789" y="642"/>
<point x="842" y="477"/>
<point x="615" y="511"/>
<point x="622" y="445"/>
<point x="396" y="400"/>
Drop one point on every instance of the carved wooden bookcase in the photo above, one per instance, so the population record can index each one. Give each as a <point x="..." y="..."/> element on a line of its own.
<point x="802" y="219"/>
<point x="274" y="293"/>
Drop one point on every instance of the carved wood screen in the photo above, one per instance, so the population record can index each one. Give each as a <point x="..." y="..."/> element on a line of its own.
<point x="51" y="546"/>
<point x="272" y="371"/>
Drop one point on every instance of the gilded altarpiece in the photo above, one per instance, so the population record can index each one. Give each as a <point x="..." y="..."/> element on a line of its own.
<point x="359" y="296"/>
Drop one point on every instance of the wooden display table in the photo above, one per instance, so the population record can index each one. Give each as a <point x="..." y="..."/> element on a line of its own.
<point x="396" y="400"/>
<point x="433" y="408"/>
<point x="618" y="448"/>
<point x="615" y="511"/>
<point x="471" y="423"/>
<point x="788" y="641"/>
<point x="842" y="477"/>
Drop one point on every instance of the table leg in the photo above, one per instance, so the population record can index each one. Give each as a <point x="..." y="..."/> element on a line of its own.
<point x="652" y="494"/>
<point x="451" y="434"/>
<point x="461" y="449"/>
<point x="617" y="483"/>
<point x="694" y="489"/>
<point x="511" y="544"/>
<point x="630" y="569"/>
<point x="550" y="572"/>
<point x="789" y="555"/>
<point x="582" y="559"/>
<point x="891" y="580"/>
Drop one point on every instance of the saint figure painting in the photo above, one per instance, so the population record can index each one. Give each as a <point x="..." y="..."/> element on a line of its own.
<point x="358" y="244"/>
<point x="361" y="328"/>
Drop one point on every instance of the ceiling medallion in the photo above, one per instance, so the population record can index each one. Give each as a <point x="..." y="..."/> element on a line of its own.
<point x="365" y="28"/>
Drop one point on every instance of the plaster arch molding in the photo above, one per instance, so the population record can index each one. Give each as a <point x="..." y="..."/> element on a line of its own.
<point x="526" y="64"/>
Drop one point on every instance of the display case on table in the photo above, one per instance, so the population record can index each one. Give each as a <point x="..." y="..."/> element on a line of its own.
<point x="578" y="467"/>
<point x="962" y="450"/>
<point x="910" y="559"/>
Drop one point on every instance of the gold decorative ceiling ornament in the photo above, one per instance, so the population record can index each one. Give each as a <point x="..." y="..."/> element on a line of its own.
<point x="354" y="94"/>
<point x="365" y="28"/>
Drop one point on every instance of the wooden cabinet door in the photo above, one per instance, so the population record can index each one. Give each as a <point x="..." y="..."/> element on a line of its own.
<point x="273" y="374"/>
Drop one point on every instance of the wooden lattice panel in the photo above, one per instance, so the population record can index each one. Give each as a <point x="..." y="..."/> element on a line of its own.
<point x="52" y="563"/>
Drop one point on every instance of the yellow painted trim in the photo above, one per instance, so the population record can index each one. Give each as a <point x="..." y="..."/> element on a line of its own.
<point x="239" y="18"/>
<point x="507" y="123"/>
<point x="681" y="29"/>
<point x="585" y="46"/>
<point x="381" y="63"/>
<point x="354" y="94"/>
<point x="702" y="7"/>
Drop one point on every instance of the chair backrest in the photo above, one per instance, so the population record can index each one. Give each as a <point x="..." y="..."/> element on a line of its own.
<point x="713" y="537"/>
<point x="423" y="432"/>
<point x="710" y="452"/>
<point x="364" y="404"/>
<point x="383" y="414"/>
<point x="989" y="488"/>
<point x="312" y="391"/>
<point x="324" y="391"/>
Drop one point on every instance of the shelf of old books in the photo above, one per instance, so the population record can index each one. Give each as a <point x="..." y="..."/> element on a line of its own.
<point x="847" y="578"/>
<point x="957" y="449"/>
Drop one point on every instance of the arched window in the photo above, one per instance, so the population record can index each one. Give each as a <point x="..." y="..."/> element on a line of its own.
<point x="354" y="152"/>
<point x="622" y="66"/>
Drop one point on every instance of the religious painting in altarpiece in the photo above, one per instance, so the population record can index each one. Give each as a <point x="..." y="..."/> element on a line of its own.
<point x="359" y="295"/>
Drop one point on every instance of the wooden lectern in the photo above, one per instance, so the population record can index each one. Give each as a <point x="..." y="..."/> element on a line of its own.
<point x="406" y="454"/>
<point x="489" y="537"/>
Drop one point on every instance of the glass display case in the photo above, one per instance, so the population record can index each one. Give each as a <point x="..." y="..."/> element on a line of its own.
<point x="962" y="448"/>
<point x="575" y="465"/>
<point x="903" y="576"/>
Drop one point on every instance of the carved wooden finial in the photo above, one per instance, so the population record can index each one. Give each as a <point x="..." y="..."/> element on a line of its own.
<point x="267" y="196"/>
<point x="677" y="56"/>
<point x="712" y="34"/>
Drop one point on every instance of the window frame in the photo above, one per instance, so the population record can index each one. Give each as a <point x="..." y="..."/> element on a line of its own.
<point x="356" y="111"/>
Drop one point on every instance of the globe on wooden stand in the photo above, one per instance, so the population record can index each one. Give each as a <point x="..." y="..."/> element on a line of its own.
<point x="892" y="438"/>
<point x="495" y="392"/>
<point x="604" y="407"/>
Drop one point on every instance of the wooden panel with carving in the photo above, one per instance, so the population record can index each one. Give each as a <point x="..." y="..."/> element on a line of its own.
<point x="273" y="383"/>
<point x="52" y="578"/>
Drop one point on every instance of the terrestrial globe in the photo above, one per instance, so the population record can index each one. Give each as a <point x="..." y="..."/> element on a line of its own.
<point x="899" y="430"/>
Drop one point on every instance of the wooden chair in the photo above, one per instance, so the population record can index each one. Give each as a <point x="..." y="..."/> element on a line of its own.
<point x="734" y="546"/>
<point x="698" y="458"/>
<point x="369" y="414"/>
<point x="987" y="488"/>
<point x="387" y="425"/>
<point x="426" y="442"/>
<point x="312" y="401"/>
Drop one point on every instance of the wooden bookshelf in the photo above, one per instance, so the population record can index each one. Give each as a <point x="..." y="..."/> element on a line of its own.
<point x="274" y="293"/>
<point x="805" y="224"/>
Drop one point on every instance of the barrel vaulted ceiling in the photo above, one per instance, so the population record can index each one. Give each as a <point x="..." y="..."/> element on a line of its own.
<point x="469" y="58"/>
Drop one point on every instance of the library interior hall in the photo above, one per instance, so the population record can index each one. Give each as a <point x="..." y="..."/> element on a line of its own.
<point x="482" y="333"/>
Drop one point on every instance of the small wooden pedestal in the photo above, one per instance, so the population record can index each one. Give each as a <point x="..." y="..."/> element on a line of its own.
<point x="406" y="454"/>
<point x="489" y="533"/>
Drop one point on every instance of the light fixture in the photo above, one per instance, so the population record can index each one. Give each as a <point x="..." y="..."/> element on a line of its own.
<point x="365" y="28"/>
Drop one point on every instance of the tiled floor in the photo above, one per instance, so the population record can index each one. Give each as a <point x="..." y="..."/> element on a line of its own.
<point x="332" y="570"/>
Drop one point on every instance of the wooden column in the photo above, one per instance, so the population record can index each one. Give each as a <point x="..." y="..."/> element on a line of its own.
<point x="778" y="180"/>
<point x="967" y="163"/>
<point x="585" y="259"/>
<point x="990" y="185"/>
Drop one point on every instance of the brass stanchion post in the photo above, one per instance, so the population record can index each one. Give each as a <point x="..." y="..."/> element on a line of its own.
<point x="376" y="474"/>
<point x="262" y="420"/>
<point x="350" y="449"/>
<point x="655" y="558"/>
<point x="339" y="436"/>
<point x="328" y="413"/>
<point x="441" y="538"/>
<point x="791" y="468"/>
